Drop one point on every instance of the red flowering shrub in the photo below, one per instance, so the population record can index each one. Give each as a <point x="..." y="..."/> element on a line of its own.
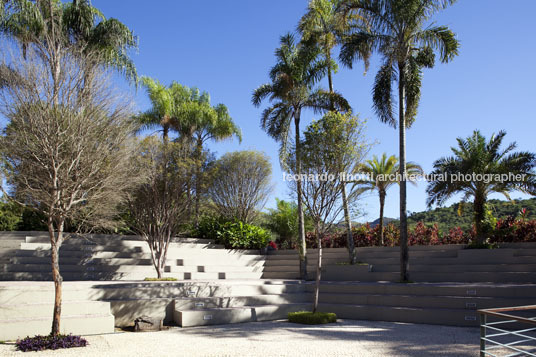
<point x="506" y="230"/>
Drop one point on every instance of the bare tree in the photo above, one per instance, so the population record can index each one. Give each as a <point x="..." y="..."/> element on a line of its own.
<point x="241" y="185"/>
<point x="67" y="146"/>
<point x="160" y="204"/>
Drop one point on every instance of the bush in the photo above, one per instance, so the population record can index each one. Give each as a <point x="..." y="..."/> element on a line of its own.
<point x="40" y="343"/>
<point x="310" y="318"/>
<point x="233" y="234"/>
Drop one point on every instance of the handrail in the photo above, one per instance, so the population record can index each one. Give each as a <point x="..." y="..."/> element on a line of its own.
<point x="509" y="348"/>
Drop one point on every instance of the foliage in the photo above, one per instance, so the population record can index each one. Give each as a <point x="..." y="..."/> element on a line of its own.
<point x="381" y="174"/>
<point x="77" y="24"/>
<point x="232" y="234"/>
<point x="312" y="318"/>
<point x="50" y="342"/>
<point x="10" y="216"/>
<point x="480" y="167"/>
<point x="453" y="216"/>
<point x="283" y="221"/>
<point x="241" y="185"/>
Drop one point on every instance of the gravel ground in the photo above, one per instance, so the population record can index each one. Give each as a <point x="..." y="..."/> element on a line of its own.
<point x="279" y="338"/>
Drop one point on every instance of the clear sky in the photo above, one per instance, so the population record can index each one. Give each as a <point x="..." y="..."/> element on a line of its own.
<point x="226" y="48"/>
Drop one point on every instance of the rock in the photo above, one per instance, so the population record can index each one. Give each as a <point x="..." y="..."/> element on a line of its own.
<point x="146" y="323"/>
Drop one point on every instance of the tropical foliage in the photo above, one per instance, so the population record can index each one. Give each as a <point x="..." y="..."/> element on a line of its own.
<point x="382" y="173"/>
<point x="478" y="168"/>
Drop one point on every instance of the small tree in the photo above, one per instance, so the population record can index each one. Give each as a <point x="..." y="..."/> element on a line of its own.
<point x="160" y="204"/>
<point x="322" y="194"/>
<point x="241" y="184"/>
<point x="67" y="147"/>
<point x="341" y="139"/>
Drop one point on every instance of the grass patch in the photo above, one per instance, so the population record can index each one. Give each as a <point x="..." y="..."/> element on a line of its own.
<point x="486" y="245"/>
<point x="40" y="343"/>
<point x="161" y="279"/>
<point x="310" y="318"/>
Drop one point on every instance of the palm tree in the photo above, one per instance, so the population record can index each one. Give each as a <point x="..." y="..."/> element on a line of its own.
<point x="478" y="168"/>
<point x="291" y="90"/>
<point x="381" y="174"/>
<point x="396" y="29"/>
<point x="82" y="26"/>
<point x="322" y="25"/>
<point x="166" y="104"/>
<point x="199" y="123"/>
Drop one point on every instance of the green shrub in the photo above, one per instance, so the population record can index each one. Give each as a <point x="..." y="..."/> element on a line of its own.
<point x="237" y="234"/>
<point x="310" y="318"/>
<point x="161" y="279"/>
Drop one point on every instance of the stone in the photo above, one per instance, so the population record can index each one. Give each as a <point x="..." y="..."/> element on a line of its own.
<point x="146" y="323"/>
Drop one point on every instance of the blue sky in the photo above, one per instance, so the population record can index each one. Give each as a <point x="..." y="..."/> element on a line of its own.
<point x="226" y="48"/>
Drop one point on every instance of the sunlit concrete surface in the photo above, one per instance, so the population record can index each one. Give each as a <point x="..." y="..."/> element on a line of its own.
<point x="276" y="338"/>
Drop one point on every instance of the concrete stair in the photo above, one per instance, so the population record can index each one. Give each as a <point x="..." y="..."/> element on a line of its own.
<point x="440" y="304"/>
<point x="512" y="263"/>
<point x="26" y="310"/>
<point x="114" y="257"/>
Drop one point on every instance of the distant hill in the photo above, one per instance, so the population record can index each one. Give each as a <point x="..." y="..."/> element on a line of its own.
<point x="447" y="217"/>
<point x="386" y="221"/>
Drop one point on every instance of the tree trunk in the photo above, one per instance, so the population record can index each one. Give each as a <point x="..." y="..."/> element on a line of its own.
<point x="55" y="243"/>
<point x="479" y="209"/>
<point x="348" y="222"/>
<point x="301" y="219"/>
<point x="198" y="164"/>
<point x="404" y="252"/>
<point x="318" y="270"/>
<point x="382" y="204"/>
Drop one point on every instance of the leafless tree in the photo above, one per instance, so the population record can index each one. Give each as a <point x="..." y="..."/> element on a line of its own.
<point x="241" y="185"/>
<point x="67" y="146"/>
<point x="159" y="204"/>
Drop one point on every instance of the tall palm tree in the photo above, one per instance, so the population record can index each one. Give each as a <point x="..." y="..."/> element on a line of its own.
<point x="496" y="167"/>
<point x="397" y="30"/>
<point x="291" y="90"/>
<point x="82" y="25"/>
<point x="323" y="24"/>
<point x="382" y="173"/>
<point x="199" y="123"/>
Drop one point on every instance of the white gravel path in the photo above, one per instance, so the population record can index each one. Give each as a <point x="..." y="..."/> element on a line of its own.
<point x="278" y="338"/>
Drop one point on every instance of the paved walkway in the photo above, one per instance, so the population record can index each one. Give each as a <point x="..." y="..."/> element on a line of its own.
<point x="345" y="338"/>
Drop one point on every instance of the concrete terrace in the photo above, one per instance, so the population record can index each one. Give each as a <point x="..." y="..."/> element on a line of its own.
<point x="277" y="338"/>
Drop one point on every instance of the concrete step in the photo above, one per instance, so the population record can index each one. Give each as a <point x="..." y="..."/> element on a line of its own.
<point x="114" y="275"/>
<point x="188" y="318"/>
<point x="431" y="289"/>
<point x="121" y="245"/>
<point x="190" y="255"/>
<point x="13" y="329"/>
<point x="466" y="268"/>
<point x="44" y="309"/>
<point x="452" y="261"/>
<point x="104" y="239"/>
<point x="420" y="301"/>
<point x="139" y="290"/>
<point x="239" y="301"/>
<point x="432" y="316"/>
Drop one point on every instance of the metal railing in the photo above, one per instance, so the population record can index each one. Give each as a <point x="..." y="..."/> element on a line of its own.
<point x="503" y="334"/>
